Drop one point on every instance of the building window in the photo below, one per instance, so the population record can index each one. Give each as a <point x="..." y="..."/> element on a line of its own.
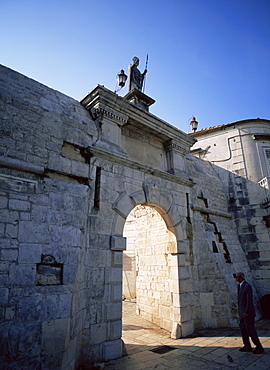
<point x="267" y="156"/>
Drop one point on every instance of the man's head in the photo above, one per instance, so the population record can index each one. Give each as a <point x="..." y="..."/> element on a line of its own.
<point x="239" y="277"/>
<point x="135" y="61"/>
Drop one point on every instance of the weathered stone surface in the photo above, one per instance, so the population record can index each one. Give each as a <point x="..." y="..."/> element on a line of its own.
<point x="181" y="250"/>
<point x="112" y="349"/>
<point x="55" y="335"/>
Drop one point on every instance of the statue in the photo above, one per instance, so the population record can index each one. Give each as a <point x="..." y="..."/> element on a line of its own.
<point x="135" y="76"/>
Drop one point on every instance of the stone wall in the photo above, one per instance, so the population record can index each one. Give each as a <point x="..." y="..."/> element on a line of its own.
<point x="129" y="258"/>
<point x="215" y="251"/>
<point x="45" y="198"/>
<point x="69" y="177"/>
<point x="152" y="270"/>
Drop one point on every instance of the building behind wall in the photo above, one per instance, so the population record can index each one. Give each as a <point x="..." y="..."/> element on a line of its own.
<point x="242" y="149"/>
<point x="70" y="175"/>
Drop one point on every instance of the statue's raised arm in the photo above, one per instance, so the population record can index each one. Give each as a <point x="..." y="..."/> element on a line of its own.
<point x="135" y="77"/>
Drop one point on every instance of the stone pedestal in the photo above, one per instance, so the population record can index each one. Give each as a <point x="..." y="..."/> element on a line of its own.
<point x="139" y="99"/>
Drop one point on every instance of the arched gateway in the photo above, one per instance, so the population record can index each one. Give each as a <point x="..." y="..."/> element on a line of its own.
<point x="70" y="174"/>
<point x="141" y="160"/>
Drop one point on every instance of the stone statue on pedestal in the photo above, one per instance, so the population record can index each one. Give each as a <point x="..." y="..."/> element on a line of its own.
<point x="135" y="77"/>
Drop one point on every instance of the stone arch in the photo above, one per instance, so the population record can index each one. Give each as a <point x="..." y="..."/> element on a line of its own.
<point x="150" y="195"/>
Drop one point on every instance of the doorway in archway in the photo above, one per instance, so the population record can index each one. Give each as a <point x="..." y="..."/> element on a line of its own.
<point x="148" y="265"/>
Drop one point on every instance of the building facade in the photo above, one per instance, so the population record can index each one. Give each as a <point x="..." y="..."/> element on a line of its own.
<point x="242" y="149"/>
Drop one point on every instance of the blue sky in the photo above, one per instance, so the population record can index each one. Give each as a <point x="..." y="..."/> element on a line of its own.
<point x="208" y="58"/>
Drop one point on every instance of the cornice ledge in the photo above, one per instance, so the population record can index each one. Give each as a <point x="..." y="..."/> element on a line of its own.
<point x="20" y="165"/>
<point x="101" y="112"/>
<point x="141" y="167"/>
<point x="171" y="145"/>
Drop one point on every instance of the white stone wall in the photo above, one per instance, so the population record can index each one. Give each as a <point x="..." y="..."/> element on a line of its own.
<point x="129" y="258"/>
<point x="68" y="182"/>
<point x="238" y="155"/>
<point x="152" y="244"/>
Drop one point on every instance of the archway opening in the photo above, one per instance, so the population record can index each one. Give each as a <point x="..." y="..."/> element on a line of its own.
<point x="148" y="264"/>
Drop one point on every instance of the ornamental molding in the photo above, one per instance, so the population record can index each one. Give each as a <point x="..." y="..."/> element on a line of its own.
<point x="170" y="146"/>
<point x="103" y="112"/>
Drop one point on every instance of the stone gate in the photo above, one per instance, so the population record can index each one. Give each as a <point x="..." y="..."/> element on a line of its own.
<point x="70" y="174"/>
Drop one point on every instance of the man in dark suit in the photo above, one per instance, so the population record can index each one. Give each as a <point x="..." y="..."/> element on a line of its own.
<point x="246" y="313"/>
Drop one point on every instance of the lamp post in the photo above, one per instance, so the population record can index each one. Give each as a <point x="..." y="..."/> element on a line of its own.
<point x="121" y="80"/>
<point x="194" y="123"/>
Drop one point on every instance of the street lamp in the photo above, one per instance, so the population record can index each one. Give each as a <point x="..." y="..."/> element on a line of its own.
<point x="121" y="80"/>
<point x="194" y="124"/>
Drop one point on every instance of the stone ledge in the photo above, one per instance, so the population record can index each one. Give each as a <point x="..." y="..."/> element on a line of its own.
<point x="19" y="165"/>
<point x="212" y="211"/>
<point x="141" y="167"/>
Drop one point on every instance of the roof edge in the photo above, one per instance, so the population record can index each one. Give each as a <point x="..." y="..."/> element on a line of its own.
<point x="224" y="126"/>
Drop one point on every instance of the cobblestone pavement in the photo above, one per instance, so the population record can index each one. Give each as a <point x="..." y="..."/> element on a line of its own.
<point x="210" y="349"/>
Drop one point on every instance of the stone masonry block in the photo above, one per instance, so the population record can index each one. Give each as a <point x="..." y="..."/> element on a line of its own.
<point x="207" y="299"/>
<point x="10" y="255"/>
<point x="176" y="331"/>
<point x="29" y="253"/>
<point x="113" y="275"/>
<point x="118" y="243"/>
<point x="152" y="193"/>
<point x="25" y="216"/>
<point x="26" y="275"/>
<point x="112" y="349"/>
<point x="165" y="201"/>
<point x="115" y="329"/>
<point x="117" y="259"/>
<point x="175" y="214"/>
<point x="184" y="272"/>
<point x="182" y="246"/>
<point x="32" y="232"/>
<point x="185" y="286"/>
<point x="185" y="299"/>
<point x="19" y="205"/>
<point x="180" y="231"/>
<point x="55" y="335"/>
<point x="69" y="236"/>
<point x="2" y="230"/>
<point x="94" y="257"/>
<point x="98" y="333"/>
<point x="116" y="293"/>
<point x="31" y="309"/>
<point x="206" y="312"/>
<point x="187" y="328"/>
<point x="51" y="307"/>
<point x="3" y="296"/>
<point x="185" y="313"/>
<point x="113" y="311"/>
<point x="12" y="231"/>
<point x="138" y="197"/>
<point x="118" y="225"/>
<point x="3" y="202"/>
<point x="123" y="205"/>
<point x="24" y="341"/>
<point x="9" y="216"/>
<point x="65" y="301"/>
<point x="59" y="163"/>
<point x="79" y="169"/>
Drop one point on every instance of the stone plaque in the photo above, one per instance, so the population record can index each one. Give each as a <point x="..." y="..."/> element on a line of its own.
<point x="17" y="184"/>
<point x="49" y="272"/>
